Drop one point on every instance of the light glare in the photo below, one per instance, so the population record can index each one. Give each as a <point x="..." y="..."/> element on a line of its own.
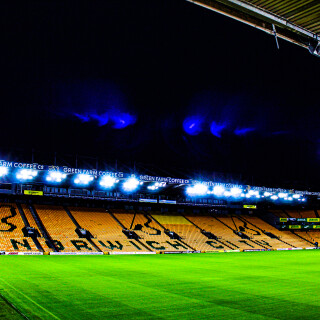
<point x="3" y="171"/>
<point x="131" y="184"/>
<point x="26" y="174"/>
<point x="197" y="190"/>
<point x="83" y="179"/>
<point x="107" y="181"/>
<point x="218" y="190"/>
<point x="56" y="176"/>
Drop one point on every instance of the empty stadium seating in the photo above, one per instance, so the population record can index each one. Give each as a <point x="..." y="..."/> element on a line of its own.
<point x="61" y="229"/>
<point x="196" y="232"/>
<point x="150" y="233"/>
<point x="33" y="224"/>
<point x="11" y="234"/>
<point x="223" y="230"/>
<point x="294" y="213"/>
<point x="189" y="233"/>
<point x="107" y="233"/>
<point x="286" y="238"/>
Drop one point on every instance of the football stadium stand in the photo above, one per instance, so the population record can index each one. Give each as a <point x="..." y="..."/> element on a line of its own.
<point x="12" y="237"/>
<point x="106" y="231"/>
<point x="150" y="232"/>
<point x="32" y="223"/>
<point x="189" y="232"/>
<point x="267" y="232"/>
<point x="46" y="228"/>
<point x="222" y="228"/>
<point x="301" y="214"/>
<point x="62" y="229"/>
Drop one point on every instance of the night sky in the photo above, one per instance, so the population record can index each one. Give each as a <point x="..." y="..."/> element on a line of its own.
<point x="165" y="84"/>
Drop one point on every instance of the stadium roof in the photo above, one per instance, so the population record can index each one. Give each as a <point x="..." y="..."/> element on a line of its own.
<point x="297" y="21"/>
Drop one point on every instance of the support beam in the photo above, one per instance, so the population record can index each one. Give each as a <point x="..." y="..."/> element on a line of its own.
<point x="261" y="19"/>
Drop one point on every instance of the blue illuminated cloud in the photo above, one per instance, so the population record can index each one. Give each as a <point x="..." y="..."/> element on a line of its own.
<point x="102" y="119"/>
<point x="82" y="117"/>
<point x="122" y="120"/>
<point x="216" y="128"/>
<point x="243" y="131"/>
<point x="193" y="125"/>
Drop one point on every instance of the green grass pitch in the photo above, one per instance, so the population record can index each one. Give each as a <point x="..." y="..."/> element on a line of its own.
<point x="250" y="285"/>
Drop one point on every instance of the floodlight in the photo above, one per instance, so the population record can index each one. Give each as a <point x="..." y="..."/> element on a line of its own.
<point x="108" y="181"/>
<point x="131" y="184"/>
<point x="218" y="190"/>
<point x="282" y="195"/>
<point x="157" y="185"/>
<point x="296" y="196"/>
<point x="274" y="197"/>
<point x="83" y="179"/>
<point x="254" y="193"/>
<point x="26" y="174"/>
<point x="55" y="176"/>
<point x="235" y="192"/>
<point x="3" y="171"/>
<point x="198" y="189"/>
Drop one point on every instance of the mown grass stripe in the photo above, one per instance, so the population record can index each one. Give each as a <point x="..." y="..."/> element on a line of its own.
<point x="28" y="298"/>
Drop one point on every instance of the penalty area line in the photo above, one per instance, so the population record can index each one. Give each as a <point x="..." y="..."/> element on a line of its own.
<point x="11" y="305"/>
<point x="21" y="293"/>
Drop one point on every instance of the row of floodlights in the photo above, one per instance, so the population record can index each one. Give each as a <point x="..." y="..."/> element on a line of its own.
<point x="220" y="191"/>
<point x="132" y="184"/>
<point x="129" y="185"/>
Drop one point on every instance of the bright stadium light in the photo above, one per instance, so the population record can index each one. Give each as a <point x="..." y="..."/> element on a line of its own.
<point x="108" y="181"/>
<point x="3" y="171"/>
<point x="235" y="192"/>
<point x="198" y="189"/>
<point x="26" y="174"/>
<point x="282" y="195"/>
<point x="254" y="193"/>
<point x="55" y="176"/>
<point x="131" y="184"/>
<point x="218" y="190"/>
<point x="296" y="196"/>
<point x="83" y="179"/>
<point x="274" y="197"/>
<point x="157" y="185"/>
